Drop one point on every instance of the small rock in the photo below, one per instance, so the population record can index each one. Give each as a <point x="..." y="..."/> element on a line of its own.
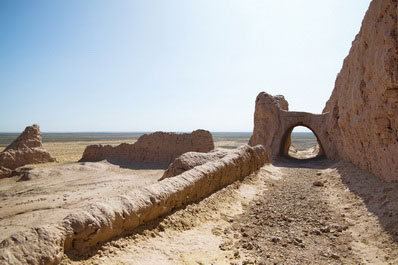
<point x="316" y="232"/>
<point x="248" y="246"/>
<point x="325" y="230"/>
<point x="223" y="247"/>
<point x="275" y="239"/>
<point x="318" y="183"/>
<point x="299" y="240"/>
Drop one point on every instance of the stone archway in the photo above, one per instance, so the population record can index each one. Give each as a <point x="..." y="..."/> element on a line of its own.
<point x="286" y="141"/>
<point x="273" y="123"/>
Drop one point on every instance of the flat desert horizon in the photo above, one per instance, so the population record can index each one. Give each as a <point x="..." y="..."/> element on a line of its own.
<point x="69" y="146"/>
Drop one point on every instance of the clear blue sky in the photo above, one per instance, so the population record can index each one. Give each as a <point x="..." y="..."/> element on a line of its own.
<point x="173" y="65"/>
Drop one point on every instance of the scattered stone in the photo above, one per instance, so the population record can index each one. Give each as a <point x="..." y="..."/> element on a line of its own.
<point x="318" y="183"/>
<point x="248" y="246"/>
<point x="275" y="239"/>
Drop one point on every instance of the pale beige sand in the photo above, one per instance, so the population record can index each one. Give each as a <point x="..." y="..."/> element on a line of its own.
<point x="56" y="190"/>
<point x="216" y="230"/>
<point x="194" y="235"/>
<point x="73" y="151"/>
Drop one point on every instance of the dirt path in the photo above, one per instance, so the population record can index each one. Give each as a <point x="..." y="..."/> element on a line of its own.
<point x="291" y="213"/>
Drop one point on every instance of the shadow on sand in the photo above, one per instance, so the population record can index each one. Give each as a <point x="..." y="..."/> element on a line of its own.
<point x="143" y="229"/>
<point x="137" y="165"/>
<point x="380" y="197"/>
<point x="319" y="162"/>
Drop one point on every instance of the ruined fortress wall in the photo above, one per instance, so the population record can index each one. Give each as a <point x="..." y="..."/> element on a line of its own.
<point x="190" y="160"/>
<point x="103" y="220"/>
<point x="360" y="120"/>
<point x="158" y="147"/>
<point x="363" y="120"/>
<point x="273" y="126"/>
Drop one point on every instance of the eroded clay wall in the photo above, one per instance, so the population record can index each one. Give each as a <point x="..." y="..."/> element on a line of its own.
<point x="103" y="220"/>
<point x="273" y="126"/>
<point x="158" y="147"/>
<point x="190" y="160"/>
<point x="363" y="124"/>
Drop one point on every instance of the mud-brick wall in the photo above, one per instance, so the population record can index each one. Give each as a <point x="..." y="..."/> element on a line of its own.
<point x="103" y="220"/>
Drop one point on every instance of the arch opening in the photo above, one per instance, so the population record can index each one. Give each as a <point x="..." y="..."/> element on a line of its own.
<point x="301" y="142"/>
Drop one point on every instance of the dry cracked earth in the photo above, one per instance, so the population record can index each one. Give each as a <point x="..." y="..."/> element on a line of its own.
<point x="293" y="212"/>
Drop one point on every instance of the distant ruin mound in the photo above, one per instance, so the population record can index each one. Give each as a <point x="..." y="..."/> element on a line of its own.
<point x="159" y="148"/>
<point x="26" y="149"/>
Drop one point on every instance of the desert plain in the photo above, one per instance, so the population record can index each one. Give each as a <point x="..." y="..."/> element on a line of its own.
<point x="309" y="211"/>
<point x="50" y="191"/>
<point x="267" y="197"/>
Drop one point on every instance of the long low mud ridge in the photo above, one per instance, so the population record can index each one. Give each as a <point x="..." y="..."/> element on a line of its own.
<point x="294" y="212"/>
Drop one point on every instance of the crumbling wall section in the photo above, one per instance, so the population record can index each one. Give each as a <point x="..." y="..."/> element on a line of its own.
<point x="363" y="120"/>
<point x="158" y="147"/>
<point x="273" y="126"/>
<point x="103" y="220"/>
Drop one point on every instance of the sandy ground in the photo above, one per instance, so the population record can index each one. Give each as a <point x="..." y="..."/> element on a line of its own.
<point x="295" y="212"/>
<point x="55" y="190"/>
<point x="51" y="191"/>
<point x="311" y="152"/>
<point x="73" y="151"/>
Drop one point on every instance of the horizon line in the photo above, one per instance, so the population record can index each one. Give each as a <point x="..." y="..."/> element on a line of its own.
<point x="136" y="132"/>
